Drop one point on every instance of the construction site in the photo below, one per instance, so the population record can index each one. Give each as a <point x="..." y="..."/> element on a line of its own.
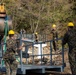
<point x="39" y="54"/>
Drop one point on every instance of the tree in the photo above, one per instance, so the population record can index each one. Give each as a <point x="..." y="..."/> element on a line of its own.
<point x="36" y="15"/>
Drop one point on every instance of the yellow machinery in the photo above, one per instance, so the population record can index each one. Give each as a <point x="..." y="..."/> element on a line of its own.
<point x="2" y="10"/>
<point x="3" y="18"/>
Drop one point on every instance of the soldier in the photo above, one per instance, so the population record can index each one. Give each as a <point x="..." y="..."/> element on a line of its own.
<point x="70" y="38"/>
<point x="55" y="36"/>
<point x="36" y="37"/>
<point x="9" y="56"/>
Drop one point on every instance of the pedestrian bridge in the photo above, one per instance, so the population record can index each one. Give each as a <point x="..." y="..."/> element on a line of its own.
<point x="38" y="57"/>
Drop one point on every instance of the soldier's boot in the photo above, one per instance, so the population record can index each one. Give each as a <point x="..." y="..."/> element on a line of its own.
<point x="13" y="72"/>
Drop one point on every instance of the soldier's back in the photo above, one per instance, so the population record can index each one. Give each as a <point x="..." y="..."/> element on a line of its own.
<point x="72" y="38"/>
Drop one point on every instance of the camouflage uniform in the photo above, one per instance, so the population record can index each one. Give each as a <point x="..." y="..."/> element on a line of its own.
<point x="55" y="36"/>
<point x="36" y="38"/>
<point x="70" y="38"/>
<point x="9" y="57"/>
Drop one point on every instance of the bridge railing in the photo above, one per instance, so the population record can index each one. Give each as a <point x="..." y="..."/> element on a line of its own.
<point x="46" y="56"/>
<point x="36" y="54"/>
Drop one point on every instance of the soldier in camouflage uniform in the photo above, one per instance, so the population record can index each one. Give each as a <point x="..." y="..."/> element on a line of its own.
<point x="70" y="38"/>
<point x="9" y="56"/>
<point x="55" y="36"/>
<point x="36" y="37"/>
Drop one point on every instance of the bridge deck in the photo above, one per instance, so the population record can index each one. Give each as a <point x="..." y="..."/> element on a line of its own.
<point x="35" y="69"/>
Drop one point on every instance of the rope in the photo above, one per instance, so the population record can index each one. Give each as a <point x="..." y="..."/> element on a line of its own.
<point x="6" y="29"/>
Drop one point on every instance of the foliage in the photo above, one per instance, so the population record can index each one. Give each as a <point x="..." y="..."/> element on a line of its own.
<point x="36" y="15"/>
